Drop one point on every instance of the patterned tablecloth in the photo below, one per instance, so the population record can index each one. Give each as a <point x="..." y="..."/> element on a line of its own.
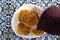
<point x="7" y="9"/>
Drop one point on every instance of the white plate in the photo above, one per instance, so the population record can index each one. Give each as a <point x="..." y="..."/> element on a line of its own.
<point x="14" y="21"/>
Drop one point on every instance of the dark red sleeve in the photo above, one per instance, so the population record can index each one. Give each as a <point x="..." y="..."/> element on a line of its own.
<point x="50" y="21"/>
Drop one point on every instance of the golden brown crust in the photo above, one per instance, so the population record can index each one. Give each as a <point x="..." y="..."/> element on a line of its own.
<point x="38" y="32"/>
<point x="22" y="29"/>
<point x="30" y="20"/>
<point x="27" y="20"/>
<point x="21" y="13"/>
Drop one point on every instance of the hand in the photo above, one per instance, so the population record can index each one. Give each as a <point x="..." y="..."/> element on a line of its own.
<point x="38" y="9"/>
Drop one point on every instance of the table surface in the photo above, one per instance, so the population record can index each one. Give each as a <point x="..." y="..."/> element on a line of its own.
<point x="7" y="9"/>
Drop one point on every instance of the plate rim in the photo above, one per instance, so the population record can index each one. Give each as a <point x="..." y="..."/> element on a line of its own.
<point x="13" y="17"/>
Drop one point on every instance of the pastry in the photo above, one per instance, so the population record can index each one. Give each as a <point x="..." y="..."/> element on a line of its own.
<point x="38" y="32"/>
<point x="21" y="13"/>
<point x="30" y="20"/>
<point x="22" y="29"/>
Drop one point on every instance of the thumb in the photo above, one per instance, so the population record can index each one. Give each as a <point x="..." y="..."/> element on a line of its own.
<point x="34" y="27"/>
